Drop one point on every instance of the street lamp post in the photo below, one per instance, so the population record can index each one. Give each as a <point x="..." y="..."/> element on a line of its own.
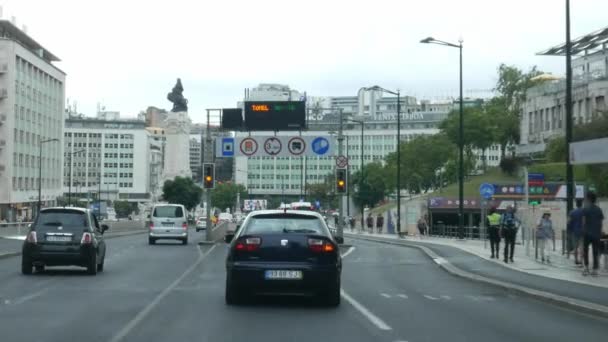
<point x="70" y="178"/>
<point x="398" y="93"/>
<point x="40" y="171"/>
<point x="431" y="40"/>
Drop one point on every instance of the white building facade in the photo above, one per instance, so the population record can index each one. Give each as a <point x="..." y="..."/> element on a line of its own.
<point x="32" y="97"/>
<point x="111" y="160"/>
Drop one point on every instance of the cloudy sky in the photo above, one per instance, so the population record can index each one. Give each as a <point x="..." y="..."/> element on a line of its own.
<point x="127" y="54"/>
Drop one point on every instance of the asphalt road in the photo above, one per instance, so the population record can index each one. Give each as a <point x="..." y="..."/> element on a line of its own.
<point x="170" y="292"/>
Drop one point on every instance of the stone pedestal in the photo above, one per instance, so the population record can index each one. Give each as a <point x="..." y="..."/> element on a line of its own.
<point x="177" y="146"/>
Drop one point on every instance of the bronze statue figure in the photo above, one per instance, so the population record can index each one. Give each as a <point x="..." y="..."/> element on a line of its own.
<point x="180" y="103"/>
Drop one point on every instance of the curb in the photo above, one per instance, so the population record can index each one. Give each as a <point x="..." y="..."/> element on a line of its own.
<point x="14" y="254"/>
<point x="552" y="298"/>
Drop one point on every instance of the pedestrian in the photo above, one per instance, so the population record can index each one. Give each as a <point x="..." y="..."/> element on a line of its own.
<point x="336" y="219"/>
<point x="575" y="232"/>
<point x="422" y="225"/>
<point x="370" y="223"/>
<point x="493" y="224"/>
<point x="544" y="232"/>
<point x="379" y="223"/>
<point x="592" y="232"/>
<point x="351" y="219"/>
<point x="508" y="227"/>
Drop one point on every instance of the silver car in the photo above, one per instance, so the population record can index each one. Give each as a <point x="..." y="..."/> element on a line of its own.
<point x="168" y="221"/>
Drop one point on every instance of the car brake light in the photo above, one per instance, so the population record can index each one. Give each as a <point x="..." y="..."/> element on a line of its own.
<point x="249" y="244"/>
<point x="319" y="245"/>
<point x="87" y="238"/>
<point x="32" y="238"/>
<point x="151" y="225"/>
<point x="185" y="225"/>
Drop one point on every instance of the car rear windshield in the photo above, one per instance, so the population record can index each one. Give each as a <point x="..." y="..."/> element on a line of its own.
<point x="281" y="224"/>
<point x="169" y="211"/>
<point x="66" y="219"/>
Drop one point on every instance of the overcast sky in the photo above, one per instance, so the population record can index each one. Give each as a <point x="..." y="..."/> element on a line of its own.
<point x="127" y="54"/>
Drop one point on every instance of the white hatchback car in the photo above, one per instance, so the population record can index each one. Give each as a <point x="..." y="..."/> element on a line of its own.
<point x="168" y="221"/>
<point x="201" y="223"/>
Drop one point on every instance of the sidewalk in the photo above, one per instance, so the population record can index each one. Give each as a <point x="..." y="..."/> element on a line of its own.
<point x="560" y="268"/>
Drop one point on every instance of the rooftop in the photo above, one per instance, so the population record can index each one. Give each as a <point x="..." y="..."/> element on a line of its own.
<point x="586" y="44"/>
<point x="10" y="31"/>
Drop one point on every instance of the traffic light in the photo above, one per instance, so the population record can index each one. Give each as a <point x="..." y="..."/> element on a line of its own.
<point x="341" y="181"/>
<point x="208" y="175"/>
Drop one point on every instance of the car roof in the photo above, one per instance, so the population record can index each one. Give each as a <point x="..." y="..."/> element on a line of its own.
<point x="288" y="211"/>
<point x="82" y="210"/>
<point x="167" y="205"/>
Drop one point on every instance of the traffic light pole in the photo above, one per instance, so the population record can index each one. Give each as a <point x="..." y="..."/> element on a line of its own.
<point x="208" y="191"/>
<point x="341" y="195"/>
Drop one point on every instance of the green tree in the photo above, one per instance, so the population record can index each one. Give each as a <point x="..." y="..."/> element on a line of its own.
<point x="512" y="85"/>
<point x="224" y="195"/>
<point x="123" y="208"/>
<point x="555" y="151"/>
<point x="371" y="185"/>
<point x="183" y="191"/>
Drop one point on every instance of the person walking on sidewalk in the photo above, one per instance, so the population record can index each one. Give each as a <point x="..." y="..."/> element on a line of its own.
<point x="370" y="223"/>
<point x="493" y="224"/>
<point x="592" y="232"/>
<point x="379" y="223"/>
<point x="544" y="232"/>
<point x="508" y="225"/>
<point x="575" y="232"/>
<point x="422" y="225"/>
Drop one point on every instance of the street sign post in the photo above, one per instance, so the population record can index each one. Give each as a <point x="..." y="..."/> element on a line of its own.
<point x="341" y="162"/>
<point x="486" y="190"/>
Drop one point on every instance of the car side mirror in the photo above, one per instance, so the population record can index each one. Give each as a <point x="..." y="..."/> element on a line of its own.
<point x="104" y="227"/>
<point x="339" y="239"/>
<point x="228" y="237"/>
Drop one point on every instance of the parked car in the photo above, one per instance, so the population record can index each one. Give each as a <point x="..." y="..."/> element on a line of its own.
<point x="64" y="237"/>
<point x="201" y="223"/>
<point x="168" y="221"/>
<point x="225" y="217"/>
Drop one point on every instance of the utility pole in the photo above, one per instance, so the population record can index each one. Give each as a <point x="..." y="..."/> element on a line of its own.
<point x="569" y="171"/>
<point x="399" y="163"/>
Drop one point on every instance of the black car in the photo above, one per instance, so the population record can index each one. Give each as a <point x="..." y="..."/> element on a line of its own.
<point x="283" y="252"/>
<point x="64" y="237"/>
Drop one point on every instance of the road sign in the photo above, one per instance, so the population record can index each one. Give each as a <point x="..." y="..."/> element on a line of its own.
<point x="227" y="147"/>
<point x="277" y="146"/>
<point x="320" y="146"/>
<point x="273" y="146"/>
<point x="296" y="146"/>
<point x="486" y="190"/>
<point x="341" y="162"/>
<point x="536" y="179"/>
<point x="248" y="147"/>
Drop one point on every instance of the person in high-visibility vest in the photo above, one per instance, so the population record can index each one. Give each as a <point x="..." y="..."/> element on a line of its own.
<point x="493" y="224"/>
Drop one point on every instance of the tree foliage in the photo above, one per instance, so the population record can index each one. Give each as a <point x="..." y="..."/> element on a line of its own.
<point x="124" y="208"/>
<point x="224" y="195"/>
<point x="183" y="191"/>
<point x="371" y="185"/>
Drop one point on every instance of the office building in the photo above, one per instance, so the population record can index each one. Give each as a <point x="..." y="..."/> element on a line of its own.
<point x="543" y="113"/>
<point x="32" y="98"/>
<point x="195" y="158"/>
<point x="111" y="160"/>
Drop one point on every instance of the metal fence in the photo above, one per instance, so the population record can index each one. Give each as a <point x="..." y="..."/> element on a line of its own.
<point x="445" y="231"/>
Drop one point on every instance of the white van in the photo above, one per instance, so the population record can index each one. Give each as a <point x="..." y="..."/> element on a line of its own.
<point x="168" y="221"/>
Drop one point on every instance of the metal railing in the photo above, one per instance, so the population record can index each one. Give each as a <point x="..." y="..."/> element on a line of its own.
<point x="445" y="231"/>
<point x="14" y="228"/>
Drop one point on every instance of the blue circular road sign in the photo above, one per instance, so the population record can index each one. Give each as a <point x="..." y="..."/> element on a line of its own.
<point x="320" y="146"/>
<point x="486" y="190"/>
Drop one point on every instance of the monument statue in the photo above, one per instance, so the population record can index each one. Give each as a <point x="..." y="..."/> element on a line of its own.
<point x="180" y="103"/>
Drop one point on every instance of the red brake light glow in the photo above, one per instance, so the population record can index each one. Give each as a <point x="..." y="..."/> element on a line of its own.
<point x="249" y="244"/>
<point x="151" y="225"/>
<point x="32" y="237"/>
<point x="320" y="246"/>
<point x="87" y="238"/>
<point x="185" y="225"/>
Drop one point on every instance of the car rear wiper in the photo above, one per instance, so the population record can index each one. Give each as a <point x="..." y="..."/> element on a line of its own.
<point x="54" y="224"/>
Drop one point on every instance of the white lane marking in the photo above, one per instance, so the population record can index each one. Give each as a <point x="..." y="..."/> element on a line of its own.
<point x="440" y="261"/>
<point x="143" y="313"/>
<point x="350" y="250"/>
<point x="446" y="297"/>
<point x="401" y="295"/>
<point x="430" y="297"/>
<point x="385" y="295"/>
<point x="24" y="299"/>
<point x="375" y="320"/>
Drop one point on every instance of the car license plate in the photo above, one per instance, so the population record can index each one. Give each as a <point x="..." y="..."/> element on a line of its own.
<point x="58" y="238"/>
<point x="283" y="275"/>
